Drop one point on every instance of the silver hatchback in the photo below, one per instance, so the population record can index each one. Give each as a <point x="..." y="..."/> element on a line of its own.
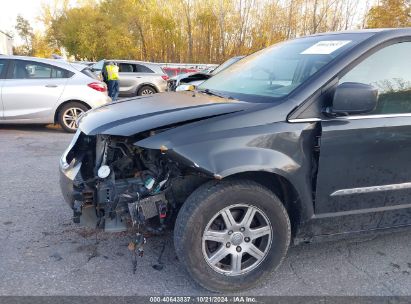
<point x="137" y="78"/>
<point x="44" y="91"/>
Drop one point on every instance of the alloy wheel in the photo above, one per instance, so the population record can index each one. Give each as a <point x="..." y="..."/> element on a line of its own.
<point x="147" y="92"/>
<point x="237" y="239"/>
<point x="70" y="117"/>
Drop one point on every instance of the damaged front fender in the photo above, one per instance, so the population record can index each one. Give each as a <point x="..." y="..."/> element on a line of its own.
<point x="226" y="152"/>
<point x="279" y="148"/>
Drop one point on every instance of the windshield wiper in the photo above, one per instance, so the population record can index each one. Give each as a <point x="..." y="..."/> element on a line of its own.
<point x="213" y="93"/>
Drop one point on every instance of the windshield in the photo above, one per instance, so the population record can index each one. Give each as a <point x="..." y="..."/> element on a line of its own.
<point x="98" y="66"/>
<point x="226" y="64"/>
<point x="276" y="71"/>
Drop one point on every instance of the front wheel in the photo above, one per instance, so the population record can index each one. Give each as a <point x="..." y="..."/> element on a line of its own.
<point x="146" y="90"/>
<point x="68" y="115"/>
<point x="231" y="235"/>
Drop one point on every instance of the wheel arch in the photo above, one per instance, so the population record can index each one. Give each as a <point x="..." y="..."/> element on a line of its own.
<point x="286" y="176"/>
<point x="283" y="188"/>
<point x="56" y="113"/>
<point x="147" y="84"/>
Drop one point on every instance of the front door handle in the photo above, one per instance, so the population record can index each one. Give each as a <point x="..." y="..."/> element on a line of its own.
<point x="51" y="85"/>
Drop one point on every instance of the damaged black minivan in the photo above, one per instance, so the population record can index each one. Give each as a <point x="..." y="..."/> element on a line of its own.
<point x="304" y="140"/>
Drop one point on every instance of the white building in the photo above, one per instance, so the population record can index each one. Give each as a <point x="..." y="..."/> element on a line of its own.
<point x="6" y="44"/>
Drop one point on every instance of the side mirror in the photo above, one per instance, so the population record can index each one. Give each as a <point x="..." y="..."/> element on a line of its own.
<point x="353" y="98"/>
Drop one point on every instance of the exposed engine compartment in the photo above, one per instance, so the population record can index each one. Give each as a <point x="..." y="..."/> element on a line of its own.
<point x="120" y="184"/>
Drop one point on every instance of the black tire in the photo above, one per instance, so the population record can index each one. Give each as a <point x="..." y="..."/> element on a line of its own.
<point x="77" y="107"/>
<point x="201" y="207"/>
<point x="146" y="90"/>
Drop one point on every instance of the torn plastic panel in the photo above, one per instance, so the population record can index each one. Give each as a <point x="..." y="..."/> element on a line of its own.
<point x="112" y="184"/>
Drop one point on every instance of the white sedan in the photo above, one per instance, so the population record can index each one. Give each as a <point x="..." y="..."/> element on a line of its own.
<point x="35" y="90"/>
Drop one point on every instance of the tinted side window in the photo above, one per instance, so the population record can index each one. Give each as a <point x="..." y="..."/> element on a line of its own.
<point x="389" y="70"/>
<point x="35" y="70"/>
<point x="3" y="68"/>
<point x="143" y="69"/>
<point x="126" y="68"/>
<point x="60" y="73"/>
<point x="30" y="70"/>
<point x="89" y="73"/>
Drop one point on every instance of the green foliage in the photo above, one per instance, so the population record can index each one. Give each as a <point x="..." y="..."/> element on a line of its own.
<point x="389" y="14"/>
<point x="25" y="32"/>
<point x="201" y="31"/>
<point x="35" y="44"/>
<point x="41" y="47"/>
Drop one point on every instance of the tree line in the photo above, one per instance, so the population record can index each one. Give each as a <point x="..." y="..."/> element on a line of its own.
<point x="195" y="31"/>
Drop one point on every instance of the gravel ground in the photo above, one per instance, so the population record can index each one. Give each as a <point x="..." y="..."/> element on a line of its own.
<point x="43" y="253"/>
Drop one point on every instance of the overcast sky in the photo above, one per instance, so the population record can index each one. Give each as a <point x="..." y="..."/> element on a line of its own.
<point x="29" y="9"/>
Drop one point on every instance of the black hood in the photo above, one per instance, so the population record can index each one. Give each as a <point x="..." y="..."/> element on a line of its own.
<point x="131" y="116"/>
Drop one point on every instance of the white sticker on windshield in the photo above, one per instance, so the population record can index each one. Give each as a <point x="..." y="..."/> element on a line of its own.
<point x="325" y="47"/>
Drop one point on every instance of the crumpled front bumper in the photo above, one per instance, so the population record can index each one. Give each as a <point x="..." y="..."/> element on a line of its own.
<point x="70" y="175"/>
<point x="67" y="181"/>
<point x="73" y="189"/>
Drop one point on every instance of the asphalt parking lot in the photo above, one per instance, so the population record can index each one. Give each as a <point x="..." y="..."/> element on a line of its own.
<point x="43" y="253"/>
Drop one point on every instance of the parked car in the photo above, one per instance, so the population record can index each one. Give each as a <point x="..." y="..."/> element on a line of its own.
<point x="192" y="79"/>
<point x="87" y="63"/>
<point x="43" y="91"/>
<point x="172" y="72"/>
<point x="137" y="78"/>
<point x="305" y="140"/>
